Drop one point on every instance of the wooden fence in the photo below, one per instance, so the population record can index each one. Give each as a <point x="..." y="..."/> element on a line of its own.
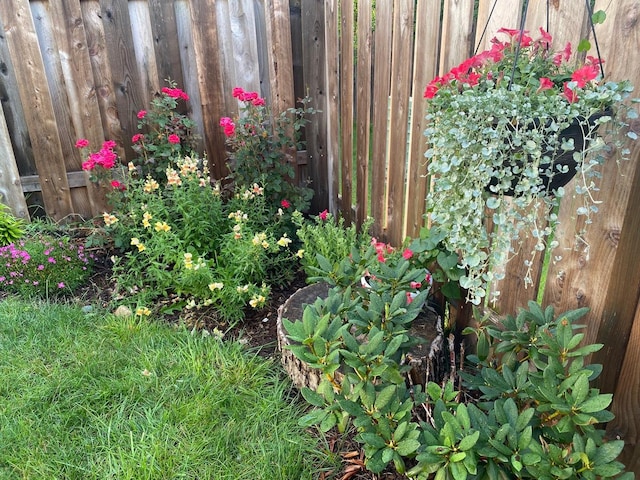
<point x="83" y="68"/>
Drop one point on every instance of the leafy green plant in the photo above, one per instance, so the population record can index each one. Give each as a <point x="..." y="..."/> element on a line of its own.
<point x="165" y="134"/>
<point x="11" y="228"/>
<point x="328" y="236"/>
<point x="185" y="237"/>
<point x="529" y="409"/>
<point x="507" y="129"/>
<point x="44" y="265"/>
<point x="263" y="147"/>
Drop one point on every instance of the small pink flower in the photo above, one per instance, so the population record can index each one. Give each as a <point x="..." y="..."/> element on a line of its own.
<point x="61" y="285"/>
<point x="409" y="298"/>
<point x="323" y="215"/>
<point x="415" y="284"/>
<point x="174" y="139"/>
<point x="51" y="260"/>
<point x="407" y="254"/>
<point x="258" y="102"/>
<point x="238" y="92"/>
<point x="82" y="143"/>
<point x="108" y="145"/>
<point x="381" y="258"/>
<point x="141" y="114"/>
<point x="569" y="94"/>
<point x="285" y="203"/>
<point x="116" y="184"/>
<point x="138" y="137"/>
<point x="229" y="127"/>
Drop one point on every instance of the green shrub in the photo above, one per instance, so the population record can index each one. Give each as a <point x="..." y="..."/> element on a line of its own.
<point x="44" y="266"/>
<point x="11" y="228"/>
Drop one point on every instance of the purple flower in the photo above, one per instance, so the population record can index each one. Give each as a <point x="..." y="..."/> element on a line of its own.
<point x="61" y="285"/>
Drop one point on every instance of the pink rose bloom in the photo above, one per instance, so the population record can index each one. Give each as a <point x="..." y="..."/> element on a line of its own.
<point x="229" y="127"/>
<point x="323" y="215"/>
<point x="141" y="114"/>
<point x="137" y="138"/>
<point x="174" y="139"/>
<point x="109" y="144"/>
<point x="238" y="92"/>
<point x="82" y="143"/>
<point x="258" y="102"/>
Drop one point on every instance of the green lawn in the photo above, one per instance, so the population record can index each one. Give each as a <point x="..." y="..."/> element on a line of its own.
<point x="92" y="396"/>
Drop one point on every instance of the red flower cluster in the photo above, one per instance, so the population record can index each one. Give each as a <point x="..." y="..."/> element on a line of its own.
<point x="105" y="157"/>
<point x="175" y="93"/>
<point x="252" y="97"/>
<point x="500" y="58"/>
<point x="228" y="125"/>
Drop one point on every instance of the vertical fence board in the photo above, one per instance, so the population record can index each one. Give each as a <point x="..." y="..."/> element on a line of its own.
<point x="244" y="44"/>
<point x="363" y="108"/>
<point x="10" y="188"/>
<point x="51" y="31"/>
<point x="190" y="69"/>
<point x="280" y="55"/>
<point x="165" y="32"/>
<point x="585" y="270"/>
<point x="211" y="85"/>
<point x="102" y="82"/>
<point x="456" y="42"/>
<point x="346" y="106"/>
<point x="332" y="106"/>
<point x="79" y="83"/>
<point x="380" y="142"/>
<point x="262" y="45"/>
<point x="425" y="65"/>
<point x="403" y="21"/>
<point x="492" y="16"/>
<point x="145" y="54"/>
<point x="314" y="82"/>
<point x="22" y="41"/>
<point x="124" y="71"/>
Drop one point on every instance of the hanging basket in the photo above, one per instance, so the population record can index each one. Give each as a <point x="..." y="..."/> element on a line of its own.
<point x="563" y="166"/>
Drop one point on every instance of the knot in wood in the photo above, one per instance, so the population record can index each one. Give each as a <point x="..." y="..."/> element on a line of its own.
<point x="614" y="236"/>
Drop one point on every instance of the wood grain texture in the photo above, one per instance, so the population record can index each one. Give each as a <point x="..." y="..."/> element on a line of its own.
<point x="363" y="108"/>
<point x="210" y="83"/>
<point x="313" y="44"/>
<point x="244" y="44"/>
<point x="10" y="189"/>
<point x="162" y="15"/>
<point x="332" y="105"/>
<point x="403" y="21"/>
<point x="492" y="16"/>
<point x="280" y="55"/>
<point x="125" y="79"/>
<point x="425" y="67"/>
<point x="83" y="108"/>
<point x="102" y="78"/>
<point x="144" y="50"/>
<point x="22" y="41"/>
<point x="457" y="33"/>
<point x="52" y="29"/>
<point x="190" y="69"/>
<point x="346" y="106"/>
<point x="383" y="38"/>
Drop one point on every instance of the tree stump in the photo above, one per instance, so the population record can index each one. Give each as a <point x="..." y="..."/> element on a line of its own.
<point x="428" y="360"/>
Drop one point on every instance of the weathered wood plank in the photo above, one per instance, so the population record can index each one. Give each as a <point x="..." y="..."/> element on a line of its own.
<point x="403" y="20"/>
<point x="262" y="45"/>
<point x="457" y="30"/>
<point x="363" y="108"/>
<point x="381" y="91"/>
<point x="165" y="33"/>
<point x="10" y="191"/>
<point x="102" y="78"/>
<point x="244" y="43"/>
<point x="314" y="80"/>
<point x="425" y="65"/>
<point x="211" y="86"/>
<point x="492" y="16"/>
<point x="346" y="107"/>
<point x="30" y="73"/>
<point x="332" y="106"/>
<point x="125" y="79"/>
<point x="585" y="272"/>
<point x="83" y="108"/>
<point x="145" y="54"/>
<point x="280" y="55"/>
<point x="190" y="69"/>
